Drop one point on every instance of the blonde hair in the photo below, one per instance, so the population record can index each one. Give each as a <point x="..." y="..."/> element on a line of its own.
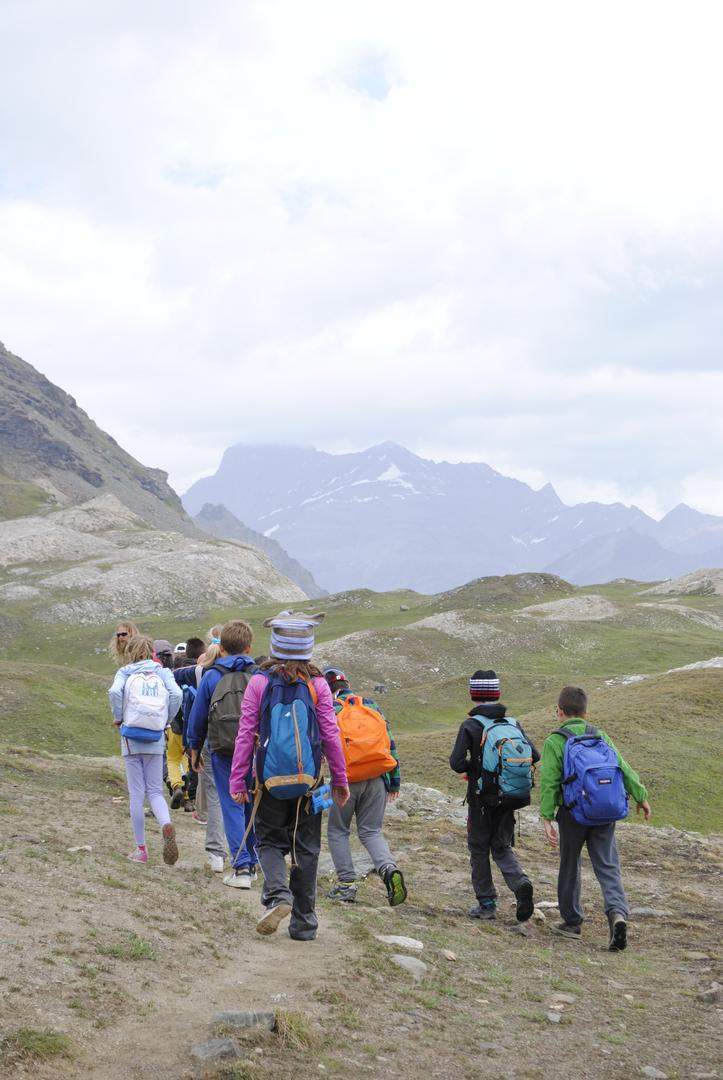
<point x="115" y="648"/>
<point x="213" y="650"/>
<point x="140" y="647"/>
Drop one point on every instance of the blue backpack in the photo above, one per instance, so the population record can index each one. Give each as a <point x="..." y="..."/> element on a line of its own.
<point x="288" y="758"/>
<point x="592" y="780"/>
<point x="506" y="760"/>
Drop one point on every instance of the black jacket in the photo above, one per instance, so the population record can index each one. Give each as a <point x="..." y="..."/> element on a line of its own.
<point x="465" y="756"/>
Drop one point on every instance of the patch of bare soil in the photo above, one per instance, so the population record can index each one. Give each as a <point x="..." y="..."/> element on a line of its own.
<point x="589" y="608"/>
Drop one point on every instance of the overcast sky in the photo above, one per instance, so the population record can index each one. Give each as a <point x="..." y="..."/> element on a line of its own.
<point x="486" y="231"/>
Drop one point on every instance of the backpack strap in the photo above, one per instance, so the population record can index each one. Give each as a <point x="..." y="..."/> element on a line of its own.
<point x="564" y="732"/>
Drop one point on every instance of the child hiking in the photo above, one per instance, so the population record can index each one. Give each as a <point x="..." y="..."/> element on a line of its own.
<point x="214" y="716"/>
<point x="143" y="698"/>
<point x="585" y="782"/>
<point x="372" y="769"/>
<point x="493" y="751"/>
<point x="288" y="716"/>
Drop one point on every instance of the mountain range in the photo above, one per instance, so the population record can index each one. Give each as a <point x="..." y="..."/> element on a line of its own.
<point x="385" y="518"/>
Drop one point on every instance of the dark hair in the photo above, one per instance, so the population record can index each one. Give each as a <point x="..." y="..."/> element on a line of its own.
<point x="260" y="659"/>
<point x="572" y="701"/>
<point x="165" y="659"/>
<point x="195" y="646"/>
<point x="292" y="670"/>
<point x="236" y="637"/>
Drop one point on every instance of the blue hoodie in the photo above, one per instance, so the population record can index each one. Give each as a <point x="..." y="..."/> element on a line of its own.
<point x="115" y="693"/>
<point x="197" y="728"/>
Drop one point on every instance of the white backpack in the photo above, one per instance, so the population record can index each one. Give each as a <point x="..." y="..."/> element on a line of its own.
<point x="145" y="701"/>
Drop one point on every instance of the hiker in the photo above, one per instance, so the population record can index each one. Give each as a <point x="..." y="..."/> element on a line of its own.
<point x="176" y="761"/>
<point x="288" y="707"/>
<point x="585" y="784"/>
<point x="143" y="698"/>
<point x="215" y="716"/>
<point x="187" y="677"/>
<point x="372" y="769"/>
<point x="497" y="757"/>
<point x="122" y="634"/>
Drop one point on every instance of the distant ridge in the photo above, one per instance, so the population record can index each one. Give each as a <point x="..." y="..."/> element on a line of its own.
<point x="385" y="518"/>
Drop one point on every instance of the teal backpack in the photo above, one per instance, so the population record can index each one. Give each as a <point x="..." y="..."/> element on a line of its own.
<point x="505" y="760"/>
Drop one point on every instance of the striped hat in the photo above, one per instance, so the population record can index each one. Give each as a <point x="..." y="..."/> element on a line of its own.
<point x="484" y="686"/>
<point x="292" y="634"/>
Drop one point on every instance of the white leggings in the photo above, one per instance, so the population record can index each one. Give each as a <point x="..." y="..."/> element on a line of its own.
<point x="144" y="773"/>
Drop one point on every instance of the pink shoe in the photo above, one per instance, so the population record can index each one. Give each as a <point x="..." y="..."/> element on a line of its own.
<point x="139" y="855"/>
<point x="199" y="818"/>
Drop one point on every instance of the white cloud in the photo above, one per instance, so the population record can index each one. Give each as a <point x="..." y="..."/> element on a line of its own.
<point x="489" y="231"/>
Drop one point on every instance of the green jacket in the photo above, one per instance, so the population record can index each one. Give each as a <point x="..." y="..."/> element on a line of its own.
<point x="551" y="770"/>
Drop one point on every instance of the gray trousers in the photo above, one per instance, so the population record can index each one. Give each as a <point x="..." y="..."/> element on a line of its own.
<point x="603" y="852"/>
<point x="367" y="802"/>
<point x="278" y="834"/>
<point x="207" y="796"/>
<point x="491" y="831"/>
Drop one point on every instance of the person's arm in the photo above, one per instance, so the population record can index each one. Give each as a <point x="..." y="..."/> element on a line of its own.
<point x="198" y="720"/>
<point x="175" y="694"/>
<point x="330" y="738"/>
<point x="461" y="757"/>
<point x="246" y="736"/>
<point x="393" y="779"/>
<point x="551" y="776"/>
<point x="115" y="695"/>
<point x="633" y="784"/>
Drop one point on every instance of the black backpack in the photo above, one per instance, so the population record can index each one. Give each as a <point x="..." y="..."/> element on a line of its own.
<point x="224" y="712"/>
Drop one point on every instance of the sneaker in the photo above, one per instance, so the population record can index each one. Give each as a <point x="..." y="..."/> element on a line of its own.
<point x="189" y="807"/>
<point x="170" y="847"/>
<point x="240" y="878"/>
<point x="396" y="889"/>
<point x="618" y="932"/>
<point x="567" y="930"/>
<point x="345" y="891"/>
<point x="272" y="918"/>
<point x="485" y="909"/>
<point x="139" y="855"/>
<point x="216" y="863"/>
<point x="525" y="903"/>
<point x="199" y="818"/>
<point x="177" y="797"/>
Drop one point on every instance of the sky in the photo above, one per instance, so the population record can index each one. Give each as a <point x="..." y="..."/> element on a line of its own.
<point x="486" y="231"/>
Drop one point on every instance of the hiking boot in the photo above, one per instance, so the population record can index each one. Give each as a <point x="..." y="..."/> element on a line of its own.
<point x="485" y="909"/>
<point x="240" y="878"/>
<point x="568" y="930"/>
<point x="170" y="847"/>
<point x="525" y="903"/>
<point x="345" y="891"/>
<point x="189" y="807"/>
<point x="216" y="863"/>
<point x="272" y="918"/>
<point x="139" y="855"/>
<point x="396" y="889"/>
<point x="618" y="932"/>
<point x="177" y="797"/>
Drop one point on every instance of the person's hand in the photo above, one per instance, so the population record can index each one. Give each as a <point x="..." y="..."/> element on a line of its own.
<point x="117" y="723"/>
<point x="340" y="794"/>
<point x="240" y="796"/>
<point x="645" y="807"/>
<point x="197" y="762"/>
<point x="551" y="833"/>
<point x="392" y="796"/>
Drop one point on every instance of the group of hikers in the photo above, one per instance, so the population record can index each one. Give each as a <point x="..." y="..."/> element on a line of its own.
<point x="242" y="743"/>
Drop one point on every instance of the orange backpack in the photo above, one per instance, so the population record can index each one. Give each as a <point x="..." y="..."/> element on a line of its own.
<point x="364" y="736"/>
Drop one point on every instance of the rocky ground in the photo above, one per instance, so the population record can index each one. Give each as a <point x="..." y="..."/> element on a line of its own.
<point x="118" y="970"/>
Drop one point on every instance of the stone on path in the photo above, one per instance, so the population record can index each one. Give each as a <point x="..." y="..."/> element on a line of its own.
<point x="544" y="904"/>
<point x="710" y="996"/>
<point x="650" y="913"/>
<point x="81" y="847"/>
<point x="215" y="1050"/>
<point x="242" y="1020"/>
<point x="653" y="1073"/>
<point x="448" y="954"/>
<point x="696" y="956"/>
<point x="554" y="1017"/>
<point x="400" y="942"/>
<point x="414" y="967"/>
<point x="565" y="999"/>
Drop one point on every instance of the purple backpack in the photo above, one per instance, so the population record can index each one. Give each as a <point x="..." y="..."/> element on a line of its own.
<point x="592" y="780"/>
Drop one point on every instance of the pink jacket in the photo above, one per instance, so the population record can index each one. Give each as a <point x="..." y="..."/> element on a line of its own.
<point x="249" y="726"/>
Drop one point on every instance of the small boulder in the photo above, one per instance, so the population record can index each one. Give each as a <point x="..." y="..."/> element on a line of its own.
<point x="544" y="904"/>
<point x="696" y="956"/>
<point x="554" y="1017"/>
<point x="81" y="847"/>
<point x="650" y="913"/>
<point x="400" y="942"/>
<point x="448" y="954"/>
<point x="215" y="1050"/>
<point x="564" y="999"/>
<point x="539" y="916"/>
<point x="710" y="996"/>
<point x="243" y="1020"/>
<point x="653" y="1073"/>
<point x="414" y="967"/>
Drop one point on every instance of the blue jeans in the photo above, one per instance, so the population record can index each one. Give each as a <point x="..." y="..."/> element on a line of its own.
<point x="235" y="816"/>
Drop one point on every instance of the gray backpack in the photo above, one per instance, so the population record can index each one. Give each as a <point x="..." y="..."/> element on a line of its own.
<point x="224" y="712"/>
